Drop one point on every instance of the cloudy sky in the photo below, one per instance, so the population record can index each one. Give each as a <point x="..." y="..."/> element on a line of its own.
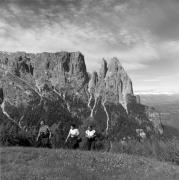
<point x="143" y="34"/>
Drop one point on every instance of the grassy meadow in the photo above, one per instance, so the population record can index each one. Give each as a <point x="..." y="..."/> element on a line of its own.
<point x="19" y="163"/>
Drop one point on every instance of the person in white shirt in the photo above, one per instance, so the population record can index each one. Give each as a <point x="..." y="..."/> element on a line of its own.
<point x="90" y="135"/>
<point x="72" y="138"/>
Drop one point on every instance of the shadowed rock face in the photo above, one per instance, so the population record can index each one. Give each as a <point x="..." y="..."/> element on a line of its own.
<point x="56" y="87"/>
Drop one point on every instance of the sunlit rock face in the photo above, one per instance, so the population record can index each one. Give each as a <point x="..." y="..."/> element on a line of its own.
<point x="56" y="87"/>
<point x="114" y="85"/>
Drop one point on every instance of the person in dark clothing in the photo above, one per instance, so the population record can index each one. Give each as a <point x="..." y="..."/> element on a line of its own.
<point x="44" y="136"/>
<point x="72" y="139"/>
<point x="91" y="138"/>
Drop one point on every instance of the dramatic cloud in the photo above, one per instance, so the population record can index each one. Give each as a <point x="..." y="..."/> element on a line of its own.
<point x="143" y="34"/>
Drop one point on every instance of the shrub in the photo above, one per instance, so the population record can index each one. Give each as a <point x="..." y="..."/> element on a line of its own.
<point x="12" y="135"/>
<point x="161" y="150"/>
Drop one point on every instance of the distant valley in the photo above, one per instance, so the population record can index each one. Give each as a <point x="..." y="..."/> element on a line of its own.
<point x="168" y="105"/>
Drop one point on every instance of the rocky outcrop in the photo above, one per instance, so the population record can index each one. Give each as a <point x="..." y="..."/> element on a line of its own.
<point x="56" y="87"/>
<point x="155" y="118"/>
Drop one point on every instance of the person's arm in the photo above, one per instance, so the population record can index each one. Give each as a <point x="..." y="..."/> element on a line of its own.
<point x="50" y="133"/>
<point x="86" y="134"/>
<point x="38" y="136"/>
<point x="94" y="134"/>
<point x="77" y="132"/>
<point x="67" y="137"/>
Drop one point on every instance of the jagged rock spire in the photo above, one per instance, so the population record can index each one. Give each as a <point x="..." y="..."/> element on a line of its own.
<point x="103" y="69"/>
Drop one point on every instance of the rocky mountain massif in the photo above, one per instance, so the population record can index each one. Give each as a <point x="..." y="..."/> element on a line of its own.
<point x="57" y="88"/>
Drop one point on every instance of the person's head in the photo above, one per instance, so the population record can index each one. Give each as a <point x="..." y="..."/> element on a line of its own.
<point x="90" y="128"/>
<point x="72" y="126"/>
<point x="42" y="123"/>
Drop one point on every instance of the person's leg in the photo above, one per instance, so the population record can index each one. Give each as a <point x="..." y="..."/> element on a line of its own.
<point x="93" y="144"/>
<point x="75" y="143"/>
<point x="69" y="143"/>
<point x="49" y="145"/>
<point x="39" y="142"/>
<point x="72" y="143"/>
<point x="43" y="142"/>
<point x="78" y="143"/>
<point x="89" y="144"/>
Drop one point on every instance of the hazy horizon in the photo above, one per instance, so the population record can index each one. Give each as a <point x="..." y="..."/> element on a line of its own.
<point x="142" y="34"/>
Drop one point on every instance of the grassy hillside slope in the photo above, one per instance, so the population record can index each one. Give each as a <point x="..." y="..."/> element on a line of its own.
<point x="41" y="164"/>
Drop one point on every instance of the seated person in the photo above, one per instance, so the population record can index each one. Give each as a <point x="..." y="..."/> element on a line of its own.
<point x="44" y="135"/>
<point x="90" y="135"/>
<point x="72" y="138"/>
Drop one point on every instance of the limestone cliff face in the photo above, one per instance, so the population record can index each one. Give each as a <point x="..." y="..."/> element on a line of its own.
<point x="57" y="88"/>
<point x="112" y="84"/>
<point x="62" y="68"/>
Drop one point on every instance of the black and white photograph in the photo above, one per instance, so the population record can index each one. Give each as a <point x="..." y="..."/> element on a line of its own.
<point x="89" y="89"/>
